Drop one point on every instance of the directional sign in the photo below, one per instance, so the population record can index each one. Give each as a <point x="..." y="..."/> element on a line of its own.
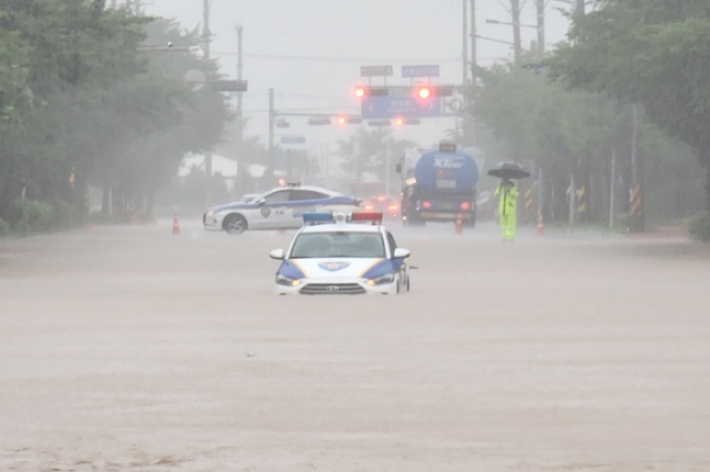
<point x="293" y="140"/>
<point x="380" y="108"/>
<point x="410" y="72"/>
<point x="376" y="71"/>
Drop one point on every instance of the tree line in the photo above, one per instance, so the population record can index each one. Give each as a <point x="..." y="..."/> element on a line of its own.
<point x="92" y="95"/>
<point x="629" y="88"/>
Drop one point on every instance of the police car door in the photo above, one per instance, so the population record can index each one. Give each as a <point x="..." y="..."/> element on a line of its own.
<point x="272" y="210"/>
<point x="304" y="201"/>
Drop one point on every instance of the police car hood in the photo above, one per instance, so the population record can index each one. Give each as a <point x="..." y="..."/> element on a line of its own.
<point x="335" y="268"/>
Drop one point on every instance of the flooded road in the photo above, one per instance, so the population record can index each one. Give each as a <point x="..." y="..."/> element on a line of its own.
<point x="130" y="349"/>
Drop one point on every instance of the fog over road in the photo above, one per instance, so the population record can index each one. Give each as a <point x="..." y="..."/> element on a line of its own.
<point x="130" y="349"/>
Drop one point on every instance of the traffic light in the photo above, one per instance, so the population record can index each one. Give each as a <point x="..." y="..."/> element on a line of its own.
<point x="343" y="120"/>
<point x="402" y="121"/>
<point x="318" y="121"/>
<point x="423" y="92"/>
<point x="364" y="91"/>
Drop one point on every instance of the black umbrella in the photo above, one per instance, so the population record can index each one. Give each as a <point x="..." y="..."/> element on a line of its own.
<point x="509" y="170"/>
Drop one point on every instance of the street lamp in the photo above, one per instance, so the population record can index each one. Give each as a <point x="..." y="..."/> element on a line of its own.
<point x="506" y="23"/>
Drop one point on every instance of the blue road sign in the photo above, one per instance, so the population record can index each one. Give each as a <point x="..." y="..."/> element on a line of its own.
<point x="410" y="72"/>
<point x="293" y="140"/>
<point x="382" y="108"/>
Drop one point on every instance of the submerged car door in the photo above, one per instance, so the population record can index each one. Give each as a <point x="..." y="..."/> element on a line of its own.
<point x="304" y="201"/>
<point x="272" y="211"/>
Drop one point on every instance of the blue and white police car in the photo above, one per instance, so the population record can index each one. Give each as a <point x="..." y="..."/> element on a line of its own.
<point x="281" y="208"/>
<point x="341" y="254"/>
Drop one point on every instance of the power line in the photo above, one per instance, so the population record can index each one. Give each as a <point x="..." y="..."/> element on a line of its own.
<point x="337" y="59"/>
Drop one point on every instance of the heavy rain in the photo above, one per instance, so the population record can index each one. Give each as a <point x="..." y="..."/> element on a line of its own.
<point x="402" y="235"/>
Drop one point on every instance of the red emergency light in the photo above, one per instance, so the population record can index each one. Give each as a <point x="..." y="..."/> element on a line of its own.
<point x="374" y="217"/>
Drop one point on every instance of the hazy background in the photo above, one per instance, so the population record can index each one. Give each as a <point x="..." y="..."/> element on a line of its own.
<point x="310" y="51"/>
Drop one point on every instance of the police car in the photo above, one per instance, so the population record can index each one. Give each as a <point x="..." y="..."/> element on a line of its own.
<point x="281" y="208"/>
<point x="339" y="254"/>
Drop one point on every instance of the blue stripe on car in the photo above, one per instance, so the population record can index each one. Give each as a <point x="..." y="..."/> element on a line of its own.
<point x="388" y="266"/>
<point x="289" y="269"/>
<point x="342" y="200"/>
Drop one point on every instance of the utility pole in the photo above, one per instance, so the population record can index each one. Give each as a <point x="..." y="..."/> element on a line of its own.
<point x="272" y="120"/>
<point x="474" y="76"/>
<point x="541" y="28"/>
<point x="474" y="43"/>
<point x="206" y="39"/>
<point x="580" y="10"/>
<point x="240" y="108"/>
<point x="517" y="44"/>
<point x="464" y="82"/>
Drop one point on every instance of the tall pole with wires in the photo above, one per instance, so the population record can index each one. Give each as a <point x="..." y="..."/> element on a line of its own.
<point x="465" y="43"/>
<point x="517" y="41"/>
<point x="206" y="39"/>
<point x="240" y="109"/>
<point x="474" y="72"/>
<point x="541" y="27"/>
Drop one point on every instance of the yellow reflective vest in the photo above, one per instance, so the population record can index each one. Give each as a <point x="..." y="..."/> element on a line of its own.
<point x="507" y="200"/>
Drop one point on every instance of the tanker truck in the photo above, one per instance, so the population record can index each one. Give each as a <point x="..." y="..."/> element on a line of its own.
<point x="439" y="185"/>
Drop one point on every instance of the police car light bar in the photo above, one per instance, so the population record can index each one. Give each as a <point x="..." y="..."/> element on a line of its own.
<point x="374" y="217"/>
<point x="315" y="218"/>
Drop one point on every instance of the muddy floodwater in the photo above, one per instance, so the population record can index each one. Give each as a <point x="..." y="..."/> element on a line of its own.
<point x="128" y="349"/>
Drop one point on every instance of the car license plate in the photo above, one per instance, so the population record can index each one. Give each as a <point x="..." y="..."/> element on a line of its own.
<point x="446" y="206"/>
<point x="447" y="184"/>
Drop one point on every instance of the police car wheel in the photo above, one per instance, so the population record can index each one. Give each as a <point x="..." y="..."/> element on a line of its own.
<point x="234" y="224"/>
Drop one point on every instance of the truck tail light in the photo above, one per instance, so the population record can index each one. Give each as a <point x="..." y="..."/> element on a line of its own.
<point x="465" y="206"/>
<point x="426" y="205"/>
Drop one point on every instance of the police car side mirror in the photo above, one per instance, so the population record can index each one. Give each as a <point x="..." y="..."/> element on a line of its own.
<point x="260" y="201"/>
<point x="401" y="253"/>
<point x="277" y="254"/>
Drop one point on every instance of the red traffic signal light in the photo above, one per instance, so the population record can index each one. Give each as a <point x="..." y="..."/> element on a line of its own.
<point x="364" y="91"/>
<point x="401" y="121"/>
<point x="424" y="92"/>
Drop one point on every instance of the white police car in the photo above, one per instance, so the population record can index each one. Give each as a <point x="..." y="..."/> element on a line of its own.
<point x="339" y="255"/>
<point x="281" y="208"/>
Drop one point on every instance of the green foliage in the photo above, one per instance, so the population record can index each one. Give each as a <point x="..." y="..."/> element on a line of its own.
<point x="699" y="227"/>
<point x="79" y="97"/>
<point x="653" y="52"/>
<point x="31" y="217"/>
<point x="366" y="151"/>
<point x="525" y="116"/>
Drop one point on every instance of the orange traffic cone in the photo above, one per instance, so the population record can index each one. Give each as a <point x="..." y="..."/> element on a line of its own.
<point x="459" y="224"/>
<point x="176" y="226"/>
<point x="540" y="225"/>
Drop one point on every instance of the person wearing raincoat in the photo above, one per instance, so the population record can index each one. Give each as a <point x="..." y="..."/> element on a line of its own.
<point x="507" y="193"/>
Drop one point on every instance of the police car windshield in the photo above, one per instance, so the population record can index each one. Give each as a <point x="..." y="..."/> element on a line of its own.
<point x="338" y="244"/>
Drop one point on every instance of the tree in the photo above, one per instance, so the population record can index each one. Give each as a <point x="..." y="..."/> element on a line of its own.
<point x="651" y="52"/>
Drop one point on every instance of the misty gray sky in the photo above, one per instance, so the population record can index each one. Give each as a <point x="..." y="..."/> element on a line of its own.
<point x="310" y="51"/>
